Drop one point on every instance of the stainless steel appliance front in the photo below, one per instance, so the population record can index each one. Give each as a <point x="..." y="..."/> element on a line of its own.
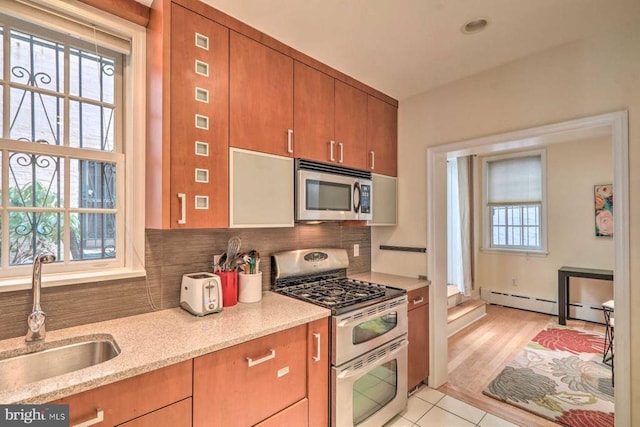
<point x="368" y="334"/>
<point x="328" y="192"/>
<point x="360" y="331"/>
<point x="369" y="390"/>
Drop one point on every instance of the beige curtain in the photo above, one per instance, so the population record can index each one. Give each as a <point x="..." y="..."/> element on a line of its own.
<point x="465" y="206"/>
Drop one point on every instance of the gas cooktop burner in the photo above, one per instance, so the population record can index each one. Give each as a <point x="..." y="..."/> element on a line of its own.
<point x="336" y="292"/>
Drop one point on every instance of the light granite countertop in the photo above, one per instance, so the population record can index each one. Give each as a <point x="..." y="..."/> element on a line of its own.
<point x="402" y="282"/>
<point x="155" y="340"/>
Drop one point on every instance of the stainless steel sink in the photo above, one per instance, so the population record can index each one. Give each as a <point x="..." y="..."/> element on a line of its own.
<point x="27" y="368"/>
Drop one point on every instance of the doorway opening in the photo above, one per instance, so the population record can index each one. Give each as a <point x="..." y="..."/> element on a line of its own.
<point x="611" y="125"/>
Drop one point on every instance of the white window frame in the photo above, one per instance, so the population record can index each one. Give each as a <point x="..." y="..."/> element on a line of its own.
<point x="130" y="191"/>
<point x="487" y="229"/>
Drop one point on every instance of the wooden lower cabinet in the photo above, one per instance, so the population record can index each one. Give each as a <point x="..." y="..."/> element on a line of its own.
<point x="318" y="369"/>
<point x="295" y="415"/>
<point x="131" y="398"/>
<point x="247" y="383"/>
<point x="175" y="415"/>
<point x="418" y="312"/>
<point x="281" y="379"/>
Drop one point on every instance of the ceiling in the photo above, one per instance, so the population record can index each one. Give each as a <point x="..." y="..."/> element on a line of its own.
<point x="405" y="47"/>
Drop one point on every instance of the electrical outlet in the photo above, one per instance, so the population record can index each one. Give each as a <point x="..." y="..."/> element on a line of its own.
<point x="514" y="282"/>
<point x="356" y="250"/>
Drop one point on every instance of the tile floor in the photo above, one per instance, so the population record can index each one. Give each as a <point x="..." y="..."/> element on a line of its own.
<point x="429" y="407"/>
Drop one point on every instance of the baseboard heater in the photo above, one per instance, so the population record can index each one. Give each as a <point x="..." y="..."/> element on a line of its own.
<point x="580" y="311"/>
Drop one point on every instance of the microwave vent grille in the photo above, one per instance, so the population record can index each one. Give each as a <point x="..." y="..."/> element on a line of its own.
<point x="334" y="169"/>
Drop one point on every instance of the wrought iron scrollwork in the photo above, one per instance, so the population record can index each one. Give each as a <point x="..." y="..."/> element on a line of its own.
<point x="31" y="79"/>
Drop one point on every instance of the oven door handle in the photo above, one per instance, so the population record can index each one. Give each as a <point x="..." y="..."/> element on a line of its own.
<point x="350" y="321"/>
<point x="348" y="373"/>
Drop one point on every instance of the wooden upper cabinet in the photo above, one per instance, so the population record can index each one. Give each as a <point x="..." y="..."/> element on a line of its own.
<point x="314" y="115"/>
<point x="261" y="97"/>
<point x="382" y="137"/>
<point x="187" y="119"/>
<point x="351" y="124"/>
<point x="330" y="119"/>
<point x="199" y="121"/>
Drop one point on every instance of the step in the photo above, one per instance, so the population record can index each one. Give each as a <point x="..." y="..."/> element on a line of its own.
<point x="454" y="297"/>
<point x="464" y="314"/>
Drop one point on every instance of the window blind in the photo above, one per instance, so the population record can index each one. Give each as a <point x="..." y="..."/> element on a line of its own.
<point x="43" y="16"/>
<point x="516" y="180"/>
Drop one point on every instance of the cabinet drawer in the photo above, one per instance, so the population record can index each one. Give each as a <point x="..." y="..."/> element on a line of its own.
<point x="294" y="415"/>
<point x="133" y="397"/>
<point x="247" y="383"/>
<point x="418" y="297"/>
<point x="175" y="415"/>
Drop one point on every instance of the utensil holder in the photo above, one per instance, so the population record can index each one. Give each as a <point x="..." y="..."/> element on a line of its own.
<point x="250" y="287"/>
<point x="229" y="283"/>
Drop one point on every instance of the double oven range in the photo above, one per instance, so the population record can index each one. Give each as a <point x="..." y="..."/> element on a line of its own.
<point x="368" y="334"/>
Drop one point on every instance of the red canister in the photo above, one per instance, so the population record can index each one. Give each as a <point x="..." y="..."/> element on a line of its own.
<point x="229" y="283"/>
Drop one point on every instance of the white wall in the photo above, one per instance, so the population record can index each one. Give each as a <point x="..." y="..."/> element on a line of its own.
<point x="579" y="79"/>
<point x="572" y="171"/>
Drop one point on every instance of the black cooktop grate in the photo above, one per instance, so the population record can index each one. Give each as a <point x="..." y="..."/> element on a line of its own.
<point x="334" y="293"/>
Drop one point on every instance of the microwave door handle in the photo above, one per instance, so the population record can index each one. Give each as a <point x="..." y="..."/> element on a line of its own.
<point x="357" y="200"/>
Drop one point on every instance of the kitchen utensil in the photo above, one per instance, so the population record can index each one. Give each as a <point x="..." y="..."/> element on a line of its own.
<point x="233" y="247"/>
<point x="237" y="263"/>
<point x="254" y="260"/>
<point x="221" y="261"/>
<point x="201" y="293"/>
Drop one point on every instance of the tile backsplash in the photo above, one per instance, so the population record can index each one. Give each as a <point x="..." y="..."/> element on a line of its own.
<point x="169" y="255"/>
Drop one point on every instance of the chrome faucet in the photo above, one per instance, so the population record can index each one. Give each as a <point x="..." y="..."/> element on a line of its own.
<point x="37" y="317"/>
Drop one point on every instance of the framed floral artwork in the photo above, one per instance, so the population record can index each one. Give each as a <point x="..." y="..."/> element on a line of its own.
<point x="603" y="198"/>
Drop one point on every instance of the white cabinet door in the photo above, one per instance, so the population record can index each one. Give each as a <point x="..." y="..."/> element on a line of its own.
<point x="385" y="200"/>
<point x="260" y="189"/>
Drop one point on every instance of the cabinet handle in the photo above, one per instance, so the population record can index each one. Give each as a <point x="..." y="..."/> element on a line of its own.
<point x="373" y="160"/>
<point x="271" y="355"/>
<point x="183" y="208"/>
<point x="331" y="157"/>
<point x="418" y="300"/>
<point x="289" y="140"/>
<point x="341" y="147"/>
<point x="316" y="358"/>
<point x="93" y="421"/>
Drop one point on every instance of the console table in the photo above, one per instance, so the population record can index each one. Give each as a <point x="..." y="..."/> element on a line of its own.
<point x="564" y="273"/>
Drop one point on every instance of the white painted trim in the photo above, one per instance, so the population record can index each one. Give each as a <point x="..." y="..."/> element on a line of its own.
<point x="135" y="149"/>
<point x="132" y="191"/>
<point x="614" y="125"/>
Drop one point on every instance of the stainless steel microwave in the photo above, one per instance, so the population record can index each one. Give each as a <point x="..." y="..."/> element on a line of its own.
<point x="326" y="192"/>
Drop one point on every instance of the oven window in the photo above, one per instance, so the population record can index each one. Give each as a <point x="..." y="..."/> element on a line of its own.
<point x="327" y="196"/>
<point x="374" y="328"/>
<point x="374" y="390"/>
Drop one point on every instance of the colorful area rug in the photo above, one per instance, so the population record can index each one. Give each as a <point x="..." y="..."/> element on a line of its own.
<point x="560" y="376"/>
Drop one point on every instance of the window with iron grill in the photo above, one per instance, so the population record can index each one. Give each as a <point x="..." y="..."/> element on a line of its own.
<point x="61" y="153"/>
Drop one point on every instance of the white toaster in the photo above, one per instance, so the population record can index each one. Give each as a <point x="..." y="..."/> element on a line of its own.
<point x="201" y="293"/>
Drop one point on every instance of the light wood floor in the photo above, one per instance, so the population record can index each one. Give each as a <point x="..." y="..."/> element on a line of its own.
<point x="479" y="352"/>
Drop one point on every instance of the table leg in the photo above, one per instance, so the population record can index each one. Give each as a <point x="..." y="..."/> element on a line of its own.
<point x="563" y="297"/>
